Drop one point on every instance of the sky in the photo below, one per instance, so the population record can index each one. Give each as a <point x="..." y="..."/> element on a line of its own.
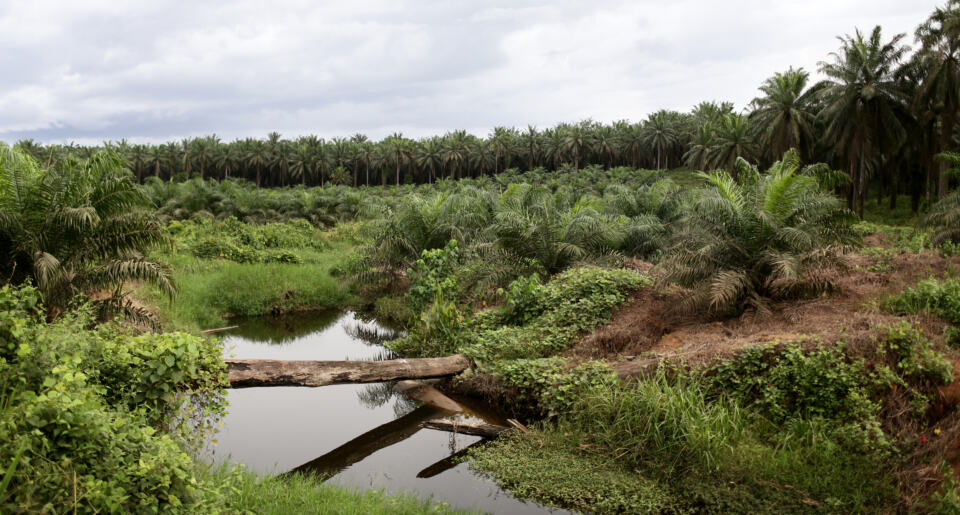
<point x="153" y="70"/>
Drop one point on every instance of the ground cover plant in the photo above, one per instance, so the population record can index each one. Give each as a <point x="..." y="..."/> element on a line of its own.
<point x="775" y="426"/>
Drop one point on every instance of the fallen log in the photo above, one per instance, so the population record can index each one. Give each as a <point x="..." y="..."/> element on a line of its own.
<point x="465" y="428"/>
<point x="219" y="329"/>
<point x="428" y="395"/>
<point x="245" y="373"/>
<point x="449" y="462"/>
<point x="380" y="437"/>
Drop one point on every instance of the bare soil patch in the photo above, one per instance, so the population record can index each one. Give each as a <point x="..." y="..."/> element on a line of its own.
<point x="642" y="326"/>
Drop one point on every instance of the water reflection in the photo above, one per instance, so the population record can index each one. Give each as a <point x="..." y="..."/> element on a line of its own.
<point x="280" y="429"/>
<point x="379" y="394"/>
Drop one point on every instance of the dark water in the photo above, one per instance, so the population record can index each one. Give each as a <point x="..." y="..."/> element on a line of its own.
<point x="363" y="436"/>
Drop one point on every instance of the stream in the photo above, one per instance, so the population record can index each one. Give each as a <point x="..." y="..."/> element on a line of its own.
<point x="360" y="435"/>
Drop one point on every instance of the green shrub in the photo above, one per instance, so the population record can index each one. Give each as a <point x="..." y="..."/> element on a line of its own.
<point x="573" y="302"/>
<point x="548" y="385"/>
<point x="233" y="240"/>
<point x="80" y="410"/>
<point x="435" y="271"/>
<point x="938" y="297"/>
<point x="782" y="382"/>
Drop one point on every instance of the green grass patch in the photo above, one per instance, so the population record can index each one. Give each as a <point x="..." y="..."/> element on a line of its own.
<point x="551" y="468"/>
<point x="209" y="289"/>
<point x="880" y="212"/>
<point x="296" y="493"/>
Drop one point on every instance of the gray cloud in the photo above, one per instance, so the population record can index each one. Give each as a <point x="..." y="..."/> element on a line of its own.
<point x="154" y="70"/>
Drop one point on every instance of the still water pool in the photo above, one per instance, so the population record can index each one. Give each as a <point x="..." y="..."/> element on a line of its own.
<point x="360" y="436"/>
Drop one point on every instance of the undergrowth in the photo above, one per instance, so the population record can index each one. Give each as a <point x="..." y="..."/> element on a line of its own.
<point x="934" y="296"/>
<point x="212" y="287"/>
<point x="777" y="427"/>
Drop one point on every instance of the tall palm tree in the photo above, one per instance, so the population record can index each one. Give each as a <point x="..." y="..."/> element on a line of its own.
<point x="865" y="105"/>
<point x="657" y="132"/>
<point x="575" y="138"/>
<point x="633" y="143"/>
<point x="701" y="147"/>
<point x="138" y="156"/>
<point x="227" y="158"/>
<point x="456" y="152"/>
<point x="939" y="37"/>
<point x="429" y="155"/>
<point x="785" y="116"/>
<point x="258" y="156"/>
<point x="501" y="141"/>
<point x="400" y="150"/>
<point x="734" y="140"/>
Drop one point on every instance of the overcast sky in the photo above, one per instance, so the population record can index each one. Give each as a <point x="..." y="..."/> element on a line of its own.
<point x="153" y="70"/>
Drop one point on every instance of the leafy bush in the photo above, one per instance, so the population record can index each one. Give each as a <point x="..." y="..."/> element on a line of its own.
<point x="782" y="381"/>
<point x="81" y="410"/>
<point x="748" y="240"/>
<point x="434" y="272"/>
<point x="938" y="297"/>
<point x="236" y="241"/>
<point x="548" y="385"/>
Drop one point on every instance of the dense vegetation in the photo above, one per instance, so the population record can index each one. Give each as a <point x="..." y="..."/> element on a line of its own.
<point x="514" y="250"/>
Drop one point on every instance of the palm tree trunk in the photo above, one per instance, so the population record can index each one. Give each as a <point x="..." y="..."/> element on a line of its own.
<point x="946" y="142"/>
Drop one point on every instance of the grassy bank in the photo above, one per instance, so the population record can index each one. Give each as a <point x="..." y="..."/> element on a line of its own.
<point x="252" y="493"/>
<point x="785" y="427"/>
<point x="225" y="269"/>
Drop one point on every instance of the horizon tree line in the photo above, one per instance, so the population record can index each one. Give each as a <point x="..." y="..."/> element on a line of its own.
<point x="882" y="114"/>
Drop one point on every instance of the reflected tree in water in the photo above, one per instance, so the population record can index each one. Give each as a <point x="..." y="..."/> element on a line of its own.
<point x="378" y="394"/>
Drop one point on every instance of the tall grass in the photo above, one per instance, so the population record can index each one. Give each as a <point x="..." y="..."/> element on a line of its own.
<point x="210" y="290"/>
<point x="673" y="431"/>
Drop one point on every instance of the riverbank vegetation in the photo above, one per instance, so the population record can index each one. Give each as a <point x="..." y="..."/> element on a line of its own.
<point x="766" y="328"/>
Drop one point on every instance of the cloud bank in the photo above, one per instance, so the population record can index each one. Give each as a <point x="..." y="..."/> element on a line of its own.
<point x="157" y="70"/>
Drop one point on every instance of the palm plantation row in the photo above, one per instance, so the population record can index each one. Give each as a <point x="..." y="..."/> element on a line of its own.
<point x="882" y="114"/>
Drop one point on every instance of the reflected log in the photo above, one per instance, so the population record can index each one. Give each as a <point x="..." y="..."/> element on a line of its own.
<point x="428" y="395"/>
<point x="368" y="443"/>
<point x="245" y="373"/>
<point x="449" y="462"/>
<point x="465" y="427"/>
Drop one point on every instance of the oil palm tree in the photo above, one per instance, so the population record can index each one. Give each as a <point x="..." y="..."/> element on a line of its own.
<point x="747" y="241"/>
<point x="502" y="141"/>
<point x="658" y="133"/>
<point x="939" y="37"/>
<point x="258" y="156"/>
<point x="785" y="116"/>
<point x="80" y="227"/>
<point x="530" y="145"/>
<point x="865" y="105"/>
<point x="734" y="140"/>
<point x="429" y="155"/>
<point x="400" y="150"/>
<point x="701" y="147"/>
